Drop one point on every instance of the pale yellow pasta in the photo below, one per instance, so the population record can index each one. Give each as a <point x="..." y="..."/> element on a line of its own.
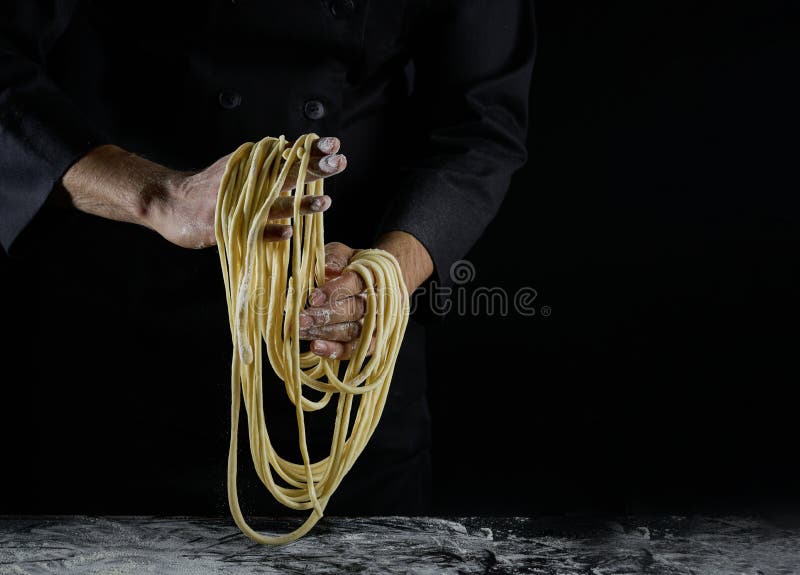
<point x="264" y="302"/>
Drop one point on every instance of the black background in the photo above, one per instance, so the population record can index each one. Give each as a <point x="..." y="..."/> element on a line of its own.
<point x="657" y="219"/>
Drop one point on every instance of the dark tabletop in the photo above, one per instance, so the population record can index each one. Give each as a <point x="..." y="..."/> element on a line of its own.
<point x="564" y="545"/>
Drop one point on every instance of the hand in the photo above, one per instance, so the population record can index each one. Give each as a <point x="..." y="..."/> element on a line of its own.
<point x="336" y="309"/>
<point x="115" y="184"/>
<point x="335" y="315"/>
<point x="187" y="216"/>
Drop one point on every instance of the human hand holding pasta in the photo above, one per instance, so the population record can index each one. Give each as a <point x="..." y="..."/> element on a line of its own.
<point x="336" y="309"/>
<point x="115" y="184"/>
<point x="187" y="216"/>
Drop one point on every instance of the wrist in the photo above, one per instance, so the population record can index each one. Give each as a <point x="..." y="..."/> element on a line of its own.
<point x="115" y="184"/>
<point x="156" y="194"/>
<point x="414" y="259"/>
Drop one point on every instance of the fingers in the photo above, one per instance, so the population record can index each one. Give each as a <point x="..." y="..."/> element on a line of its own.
<point x="284" y="206"/>
<point x="337" y="256"/>
<point x="348" y="309"/>
<point x="345" y="331"/>
<point x="334" y="320"/>
<point x="277" y="233"/>
<point x="327" y="145"/>
<point x="318" y="168"/>
<point x="338" y="350"/>
<point x="323" y="146"/>
<point x="326" y="166"/>
<point x="346" y="285"/>
<point x="325" y="161"/>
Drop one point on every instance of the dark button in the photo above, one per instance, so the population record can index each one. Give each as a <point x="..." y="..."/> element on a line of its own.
<point x="314" y="110"/>
<point x="229" y="99"/>
<point x="342" y="8"/>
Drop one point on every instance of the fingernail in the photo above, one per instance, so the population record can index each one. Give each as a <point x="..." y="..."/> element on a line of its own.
<point x="320" y="204"/>
<point x="332" y="162"/>
<point x="326" y="145"/>
<point x="286" y="232"/>
<point x="305" y="321"/>
<point x="317" y="297"/>
<point x="319" y="348"/>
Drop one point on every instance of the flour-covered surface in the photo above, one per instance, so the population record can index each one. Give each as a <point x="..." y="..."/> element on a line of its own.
<point x="564" y="546"/>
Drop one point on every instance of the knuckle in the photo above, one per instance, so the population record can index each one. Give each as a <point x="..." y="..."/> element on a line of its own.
<point x="356" y="281"/>
<point x="336" y="291"/>
<point x="335" y="261"/>
<point x="323" y="317"/>
<point x="334" y="246"/>
<point x="360" y="306"/>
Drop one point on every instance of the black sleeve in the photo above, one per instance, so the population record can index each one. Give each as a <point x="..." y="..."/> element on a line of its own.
<point x="473" y="64"/>
<point x="42" y="133"/>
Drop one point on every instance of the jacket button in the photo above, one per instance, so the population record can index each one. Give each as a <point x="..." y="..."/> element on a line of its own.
<point x="229" y="99"/>
<point x="314" y="110"/>
<point x="342" y="8"/>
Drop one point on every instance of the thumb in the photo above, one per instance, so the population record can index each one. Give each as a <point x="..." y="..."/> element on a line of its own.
<point x="337" y="256"/>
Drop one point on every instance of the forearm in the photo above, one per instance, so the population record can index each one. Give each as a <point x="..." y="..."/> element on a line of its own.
<point x="114" y="184"/>
<point x="414" y="259"/>
<point x="181" y="206"/>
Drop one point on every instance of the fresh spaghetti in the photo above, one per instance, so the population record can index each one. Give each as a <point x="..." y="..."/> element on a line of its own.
<point x="281" y="275"/>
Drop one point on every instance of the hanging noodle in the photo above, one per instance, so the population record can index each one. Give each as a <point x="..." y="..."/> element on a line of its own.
<point x="255" y="269"/>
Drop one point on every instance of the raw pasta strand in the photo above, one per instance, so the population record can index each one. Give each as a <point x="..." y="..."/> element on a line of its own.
<point x="266" y="286"/>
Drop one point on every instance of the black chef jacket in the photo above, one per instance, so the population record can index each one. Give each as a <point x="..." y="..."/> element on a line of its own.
<point x="126" y="341"/>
